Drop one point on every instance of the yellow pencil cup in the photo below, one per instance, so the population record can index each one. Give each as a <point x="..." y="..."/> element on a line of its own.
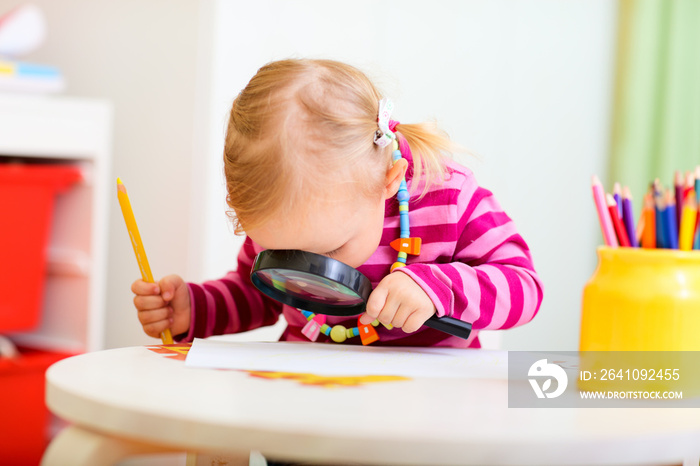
<point x="642" y="300"/>
<point x="640" y="321"/>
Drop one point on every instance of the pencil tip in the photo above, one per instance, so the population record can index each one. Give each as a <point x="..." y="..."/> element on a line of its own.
<point x="120" y="186"/>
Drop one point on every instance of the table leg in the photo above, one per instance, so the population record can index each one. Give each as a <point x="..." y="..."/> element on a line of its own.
<point x="78" y="446"/>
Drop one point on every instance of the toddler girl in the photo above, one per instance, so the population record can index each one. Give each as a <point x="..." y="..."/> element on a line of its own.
<point x="308" y="165"/>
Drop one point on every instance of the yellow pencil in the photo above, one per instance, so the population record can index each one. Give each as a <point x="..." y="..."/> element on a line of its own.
<point x="137" y="244"/>
<point x="688" y="218"/>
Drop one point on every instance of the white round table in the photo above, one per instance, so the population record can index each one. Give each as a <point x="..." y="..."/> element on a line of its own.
<point x="134" y="400"/>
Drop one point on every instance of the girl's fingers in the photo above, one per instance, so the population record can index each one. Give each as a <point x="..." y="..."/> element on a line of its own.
<point x="394" y="309"/>
<point x="399" y="318"/>
<point x="147" y="303"/>
<point x="413" y="322"/>
<point x="169" y="286"/>
<point x="384" y="305"/>
<point x="155" y="329"/>
<point x="154" y="316"/>
<point x="140" y="287"/>
<point x="376" y="302"/>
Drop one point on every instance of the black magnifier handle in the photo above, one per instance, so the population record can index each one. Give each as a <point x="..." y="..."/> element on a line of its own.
<point x="450" y="325"/>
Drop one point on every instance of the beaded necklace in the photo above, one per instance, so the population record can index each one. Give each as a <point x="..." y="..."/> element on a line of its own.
<point x="404" y="245"/>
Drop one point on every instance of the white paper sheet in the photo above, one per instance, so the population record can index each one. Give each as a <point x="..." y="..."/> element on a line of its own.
<point x="347" y="360"/>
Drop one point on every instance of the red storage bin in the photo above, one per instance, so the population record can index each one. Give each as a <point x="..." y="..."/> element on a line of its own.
<point x="27" y="193"/>
<point x="23" y="433"/>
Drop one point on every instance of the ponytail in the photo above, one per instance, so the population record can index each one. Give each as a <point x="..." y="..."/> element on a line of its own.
<point x="430" y="147"/>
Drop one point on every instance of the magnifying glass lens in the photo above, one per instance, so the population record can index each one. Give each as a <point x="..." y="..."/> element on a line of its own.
<point x="309" y="287"/>
<point x="319" y="284"/>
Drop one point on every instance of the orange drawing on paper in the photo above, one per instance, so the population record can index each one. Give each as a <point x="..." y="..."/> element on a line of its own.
<point x="327" y="381"/>
<point x="175" y="351"/>
<point x="178" y="351"/>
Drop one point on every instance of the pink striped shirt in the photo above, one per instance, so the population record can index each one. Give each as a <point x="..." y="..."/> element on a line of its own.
<point x="473" y="264"/>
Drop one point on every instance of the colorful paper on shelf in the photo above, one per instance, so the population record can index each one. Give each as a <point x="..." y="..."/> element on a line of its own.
<point x="29" y="77"/>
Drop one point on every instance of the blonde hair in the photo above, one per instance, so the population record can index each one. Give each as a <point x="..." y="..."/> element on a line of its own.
<point x="304" y="126"/>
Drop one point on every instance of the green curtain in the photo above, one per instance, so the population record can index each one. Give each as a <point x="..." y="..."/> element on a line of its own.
<point x="656" y="114"/>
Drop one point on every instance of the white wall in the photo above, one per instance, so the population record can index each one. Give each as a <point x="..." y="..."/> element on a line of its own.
<point x="141" y="56"/>
<point x="524" y="84"/>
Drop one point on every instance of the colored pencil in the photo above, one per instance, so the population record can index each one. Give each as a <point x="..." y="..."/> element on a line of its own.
<point x="678" y="185"/>
<point x="137" y="244"/>
<point x="606" y="224"/>
<point x="649" y="216"/>
<point x="671" y="221"/>
<point x="687" y="231"/>
<point x="617" y="194"/>
<point x="687" y="188"/>
<point x="689" y="184"/>
<point x="640" y="227"/>
<point x="620" y="230"/>
<point x="628" y="217"/>
<point x="696" y="185"/>
<point x="659" y="214"/>
<point x="669" y="218"/>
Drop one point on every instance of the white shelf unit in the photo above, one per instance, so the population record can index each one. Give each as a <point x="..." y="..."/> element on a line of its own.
<point x="76" y="131"/>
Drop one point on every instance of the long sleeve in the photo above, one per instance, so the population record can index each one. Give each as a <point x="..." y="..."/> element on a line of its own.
<point x="473" y="264"/>
<point x="231" y="304"/>
<point x="489" y="280"/>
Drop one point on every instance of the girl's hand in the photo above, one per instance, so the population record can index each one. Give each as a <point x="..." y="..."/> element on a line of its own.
<point x="162" y="305"/>
<point x="398" y="301"/>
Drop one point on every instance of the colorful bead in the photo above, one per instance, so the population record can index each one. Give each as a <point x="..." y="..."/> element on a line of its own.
<point x="405" y="227"/>
<point x="311" y="330"/>
<point x="367" y="333"/>
<point x="396" y="265"/>
<point x="404" y="244"/>
<point x="339" y="333"/>
<point x="407" y="245"/>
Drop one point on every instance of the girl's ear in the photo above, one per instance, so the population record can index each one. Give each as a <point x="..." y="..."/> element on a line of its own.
<point x="393" y="178"/>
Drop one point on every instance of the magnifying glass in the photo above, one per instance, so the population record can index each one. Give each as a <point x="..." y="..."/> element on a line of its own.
<point x="323" y="285"/>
